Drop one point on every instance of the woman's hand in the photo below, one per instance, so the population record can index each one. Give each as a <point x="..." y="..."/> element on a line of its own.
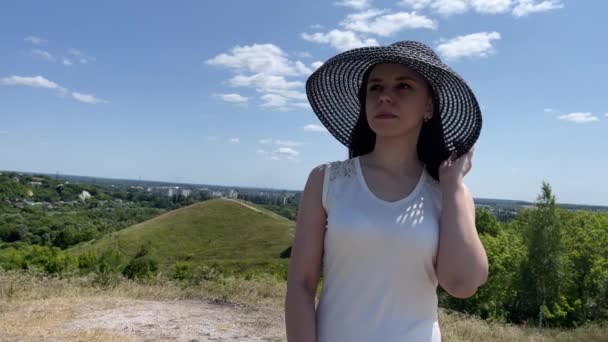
<point x="452" y="171"/>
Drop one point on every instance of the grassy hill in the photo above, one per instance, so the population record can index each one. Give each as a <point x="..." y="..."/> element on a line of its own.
<point x="219" y="230"/>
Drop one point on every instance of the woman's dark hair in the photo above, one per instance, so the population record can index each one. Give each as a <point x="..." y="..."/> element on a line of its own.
<point x="431" y="147"/>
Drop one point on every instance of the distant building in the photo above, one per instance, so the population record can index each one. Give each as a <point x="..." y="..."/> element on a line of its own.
<point x="186" y="192"/>
<point x="233" y="194"/>
<point x="85" y="195"/>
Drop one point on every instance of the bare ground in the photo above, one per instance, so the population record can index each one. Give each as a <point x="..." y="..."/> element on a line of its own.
<point x="122" y="319"/>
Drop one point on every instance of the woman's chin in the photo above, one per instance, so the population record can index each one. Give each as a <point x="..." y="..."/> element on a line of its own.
<point x="388" y="131"/>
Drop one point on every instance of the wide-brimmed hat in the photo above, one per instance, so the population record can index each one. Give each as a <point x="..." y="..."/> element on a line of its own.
<point x="333" y="92"/>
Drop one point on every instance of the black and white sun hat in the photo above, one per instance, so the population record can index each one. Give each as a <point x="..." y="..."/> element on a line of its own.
<point x="333" y="92"/>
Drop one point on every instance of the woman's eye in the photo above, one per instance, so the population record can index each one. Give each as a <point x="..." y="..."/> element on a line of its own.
<point x="374" y="87"/>
<point x="403" y="86"/>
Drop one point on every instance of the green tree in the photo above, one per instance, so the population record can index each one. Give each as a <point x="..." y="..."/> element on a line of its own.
<point x="544" y="269"/>
<point x="485" y="222"/>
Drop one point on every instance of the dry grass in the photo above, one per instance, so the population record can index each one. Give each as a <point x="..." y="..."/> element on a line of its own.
<point x="43" y="319"/>
<point x="36" y="308"/>
<point x="457" y="327"/>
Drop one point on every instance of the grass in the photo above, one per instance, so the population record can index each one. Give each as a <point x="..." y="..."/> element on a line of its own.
<point x="241" y="245"/>
<point x="35" y="308"/>
<point x="213" y="230"/>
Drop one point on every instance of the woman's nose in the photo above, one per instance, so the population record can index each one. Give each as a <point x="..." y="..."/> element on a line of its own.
<point x="385" y="97"/>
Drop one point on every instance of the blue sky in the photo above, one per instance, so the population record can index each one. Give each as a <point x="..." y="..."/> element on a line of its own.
<point x="213" y="92"/>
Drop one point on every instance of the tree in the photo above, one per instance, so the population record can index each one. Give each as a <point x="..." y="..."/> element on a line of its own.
<point x="485" y="222"/>
<point x="544" y="268"/>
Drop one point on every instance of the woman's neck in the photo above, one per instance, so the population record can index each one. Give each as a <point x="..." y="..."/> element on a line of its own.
<point x="396" y="155"/>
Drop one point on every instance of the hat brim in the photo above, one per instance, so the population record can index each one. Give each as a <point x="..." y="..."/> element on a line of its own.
<point x="333" y="92"/>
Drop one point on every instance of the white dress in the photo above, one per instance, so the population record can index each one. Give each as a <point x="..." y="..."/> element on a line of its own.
<point x="379" y="281"/>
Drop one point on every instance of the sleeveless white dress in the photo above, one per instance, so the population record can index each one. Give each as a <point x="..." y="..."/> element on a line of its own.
<point x="379" y="281"/>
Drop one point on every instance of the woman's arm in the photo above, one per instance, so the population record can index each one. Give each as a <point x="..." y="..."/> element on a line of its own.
<point x="305" y="262"/>
<point x="462" y="264"/>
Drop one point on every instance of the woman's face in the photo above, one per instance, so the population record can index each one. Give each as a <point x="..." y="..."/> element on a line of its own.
<point x="397" y="100"/>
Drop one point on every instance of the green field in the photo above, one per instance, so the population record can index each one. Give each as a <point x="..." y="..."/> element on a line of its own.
<point x="218" y="231"/>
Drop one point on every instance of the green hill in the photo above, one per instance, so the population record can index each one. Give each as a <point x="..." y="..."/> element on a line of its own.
<point x="219" y="230"/>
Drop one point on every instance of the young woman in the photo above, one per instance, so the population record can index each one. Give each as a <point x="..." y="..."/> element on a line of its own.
<point x="389" y="224"/>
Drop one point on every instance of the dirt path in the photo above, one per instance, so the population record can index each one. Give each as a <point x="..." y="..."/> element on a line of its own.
<point x="121" y="319"/>
<point x="243" y="204"/>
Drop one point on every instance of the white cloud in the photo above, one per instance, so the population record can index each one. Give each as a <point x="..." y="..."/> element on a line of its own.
<point x="235" y="140"/>
<point x="518" y="8"/>
<point x="265" y="68"/>
<point x="378" y="22"/>
<point x="288" y="143"/>
<point x="305" y="105"/>
<point x="35" y="40"/>
<point x="234" y="98"/>
<point x="314" y="128"/>
<point x="259" y="58"/>
<point x="303" y="54"/>
<point x="450" y="7"/>
<point x="264" y="82"/>
<point x="81" y="56"/>
<point x="549" y="110"/>
<point x="66" y="61"/>
<point x="44" y="55"/>
<point x="491" y="6"/>
<point x="525" y="7"/>
<point x="472" y="45"/>
<point x="606" y="115"/>
<point x="340" y="40"/>
<point x="579" y="117"/>
<point x="278" y="91"/>
<point x="415" y="4"/>
<point x="41" y="82"/>
<point x="316" y="27"/>
<point x="355" y="4"/>
<point x="276" y="101"/>
<point x="281" y="153"/>
<point x="86" y="98"/>
<point x="316" y="65"/>
<point x="265" y="141"/>
<point x="291" y="94"/>
<point x="75" y="52"/>
<point x="287" y="152"/>
<point x="37" y="82"/>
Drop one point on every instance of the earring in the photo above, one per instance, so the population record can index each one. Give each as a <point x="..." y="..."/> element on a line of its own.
<point x="427" y="119"/>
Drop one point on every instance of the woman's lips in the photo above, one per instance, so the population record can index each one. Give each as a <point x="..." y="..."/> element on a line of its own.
<point x="385" y="115"/>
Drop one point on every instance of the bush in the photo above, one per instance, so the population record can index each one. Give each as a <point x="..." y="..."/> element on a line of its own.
<point x="87" y="262"/>
<point x="286" y="253"/>
<point x="183" y="271"/>
<point x="38" y="259"/>
<point x="210" y="273"/>
<point x="142" y="266"/>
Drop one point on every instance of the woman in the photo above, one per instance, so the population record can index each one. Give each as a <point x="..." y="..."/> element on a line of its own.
<point x="389" y="224"/>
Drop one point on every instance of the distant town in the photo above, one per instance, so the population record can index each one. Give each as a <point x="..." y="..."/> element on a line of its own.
<point x="503" y="210"/>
